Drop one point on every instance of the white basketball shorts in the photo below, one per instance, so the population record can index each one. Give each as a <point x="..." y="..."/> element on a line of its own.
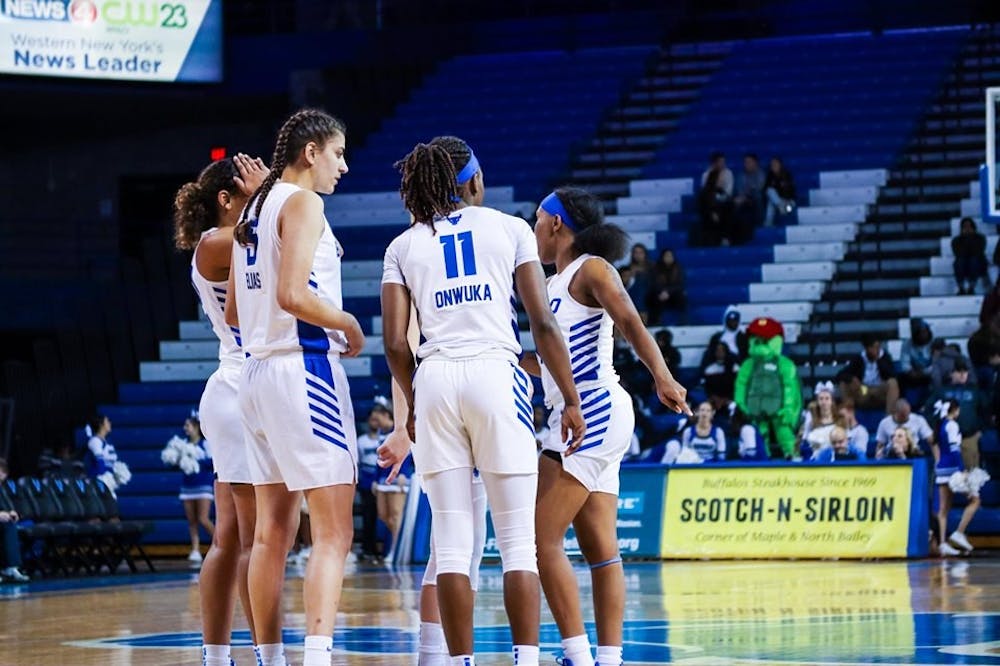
<point x="607" y="410"/>
<point x="299" y="421"/>
<point x="222" y="425"/>
<point x="473" y="413"/>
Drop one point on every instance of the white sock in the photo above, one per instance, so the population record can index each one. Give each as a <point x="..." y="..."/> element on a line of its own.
<point x="433" y="646"/>
<point x="319" y="650"/>
<point x="272" y="654"/>
<point x="577" y="650"/>
<point x="525" y="655"/>
<point x="215" y="655"/>
<point x="609" y="655"/>
<point x="462" y="660"/>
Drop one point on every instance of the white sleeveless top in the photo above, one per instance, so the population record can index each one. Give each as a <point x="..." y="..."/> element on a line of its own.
<point x="461" y="280"/>
<point x="265" y="328"/>
<point x="589" y="336"/>
<point x="213" y="301"/>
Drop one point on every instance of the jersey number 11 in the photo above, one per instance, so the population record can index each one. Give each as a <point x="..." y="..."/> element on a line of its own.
<point x="450" y="245"/>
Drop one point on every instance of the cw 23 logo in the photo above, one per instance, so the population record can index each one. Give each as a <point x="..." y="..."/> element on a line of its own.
<point x="115" y="13"/>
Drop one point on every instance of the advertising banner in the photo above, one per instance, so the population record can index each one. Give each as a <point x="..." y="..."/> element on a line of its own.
<point x="741" y="511"/>
<point x="132" y="40"/>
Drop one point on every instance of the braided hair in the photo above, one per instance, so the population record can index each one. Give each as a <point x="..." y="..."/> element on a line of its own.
<point x="429" y="188"/>
<point x="304" y="126"/>
<point x="594" y="235"/>
<point x="196" y="203"/>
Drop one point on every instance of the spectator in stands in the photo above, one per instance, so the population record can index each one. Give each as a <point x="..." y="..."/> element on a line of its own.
<point x="671" y="355"/>
<point x="750" y="443"/>
<point x="870" y="378"/>
<point x="735" y="339"/>
<point x="991" y="302"/>
<point x="951" y="476"/>
<point x="196" y="488"/>
<point x="702" y="438"/>
<point x="819" y="421"/>
<point x="779" y="188"/>
<point x="902" y="446"/>
<point x="969" y="248"/>
<point x="719" y="376"/>
<point x="902" y="416"/>
<point x="666" y="287"/>
<point x="944" y="358"/>
<point x="974" y="414"/>
<point x="915" y="359"/>
<point x="368" y="473"/>
<point x="10" y="549"/>
<point x="636" y="276"/>
<point x="749" y="197"/>
<point x="857" y="434"/>
<point x="839" y="450"/>
<point x="715" y="203"/>
<point x="984" y="350"/>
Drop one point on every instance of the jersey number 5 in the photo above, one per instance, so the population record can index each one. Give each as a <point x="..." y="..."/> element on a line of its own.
<point x="252" y="245"/>
<point x="450" y="245"/>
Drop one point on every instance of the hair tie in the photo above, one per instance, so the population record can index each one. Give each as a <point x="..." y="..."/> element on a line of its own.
<point x="826" y="386"/>
<point x="88" y="431"/>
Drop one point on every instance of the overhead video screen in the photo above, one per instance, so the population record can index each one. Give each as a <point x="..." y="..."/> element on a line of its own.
<point x="129" y="40"/>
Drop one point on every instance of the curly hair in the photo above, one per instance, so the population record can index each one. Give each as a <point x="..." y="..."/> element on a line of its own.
<point x="429" y="188"/>
<point x="196" y="204"/>
<point x="304" y="126"/>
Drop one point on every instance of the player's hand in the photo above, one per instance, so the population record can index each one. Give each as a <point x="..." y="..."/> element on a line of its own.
<point x="252" y="173"/>
<point x="573" y="426"/>
<point x="673" y="395"/>
<point x="355" y="336"/>
<point x="393" y="452"/>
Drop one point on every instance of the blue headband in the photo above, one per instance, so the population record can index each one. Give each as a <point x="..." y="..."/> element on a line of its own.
<point x="469" y="170"/>
<point x="553" y="206"/>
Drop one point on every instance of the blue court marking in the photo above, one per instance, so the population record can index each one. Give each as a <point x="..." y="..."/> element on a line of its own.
<point x="902" y="638"/>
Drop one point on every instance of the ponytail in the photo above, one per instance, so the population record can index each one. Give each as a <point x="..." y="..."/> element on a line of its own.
<point x="196" y="206"/>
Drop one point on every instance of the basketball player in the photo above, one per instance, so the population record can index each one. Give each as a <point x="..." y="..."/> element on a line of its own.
<point x="456" y="263"/>
<point x="205" y="213"/>
<point x="294" y="398"/>
<point x="432" y="648"/>
<point x="588" y="300"/>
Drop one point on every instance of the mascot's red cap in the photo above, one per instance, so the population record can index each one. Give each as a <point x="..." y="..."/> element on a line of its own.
<point x="765" y="328"/>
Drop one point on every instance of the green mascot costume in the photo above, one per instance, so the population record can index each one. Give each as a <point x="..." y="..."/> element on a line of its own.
<point x="767" y="386"/>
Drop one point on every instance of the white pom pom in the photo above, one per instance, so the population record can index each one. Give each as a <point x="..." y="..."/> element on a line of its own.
<point x="189" y="465"/>
<point x="108" y="479"/>
<point x="122" y="473"/>
<point x="170" y="455"/>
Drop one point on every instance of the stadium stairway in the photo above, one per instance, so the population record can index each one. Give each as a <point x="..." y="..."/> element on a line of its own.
<point x="523" y="114"/>
<point x="630" y="133"/>
<point x="886" y="274"/>
<point x="840" y="102"/>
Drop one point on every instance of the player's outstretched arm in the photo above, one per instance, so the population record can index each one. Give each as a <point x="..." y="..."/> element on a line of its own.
<point x="530" y="281"/>
<point x="601" y="280"/>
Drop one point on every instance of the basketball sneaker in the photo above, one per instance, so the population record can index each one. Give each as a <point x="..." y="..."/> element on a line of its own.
<point x="947" y="550"/>
<point x="959" y="539"/>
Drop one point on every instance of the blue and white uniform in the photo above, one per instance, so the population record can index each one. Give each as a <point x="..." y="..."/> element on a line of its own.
<point x="294" y="397"/>
<point x="606" y="407"/>
<point x="472" y="400"/>
<point x="200" y="484"/>
<point x="219" y="411"/>
<point x="950" y="445"/>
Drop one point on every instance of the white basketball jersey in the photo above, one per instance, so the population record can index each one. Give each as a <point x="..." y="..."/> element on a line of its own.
<point x="266" y="328"/>
<point x="213" y="301"/>
<point x="461" y="280"/>
<point x="589" y="335"/>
